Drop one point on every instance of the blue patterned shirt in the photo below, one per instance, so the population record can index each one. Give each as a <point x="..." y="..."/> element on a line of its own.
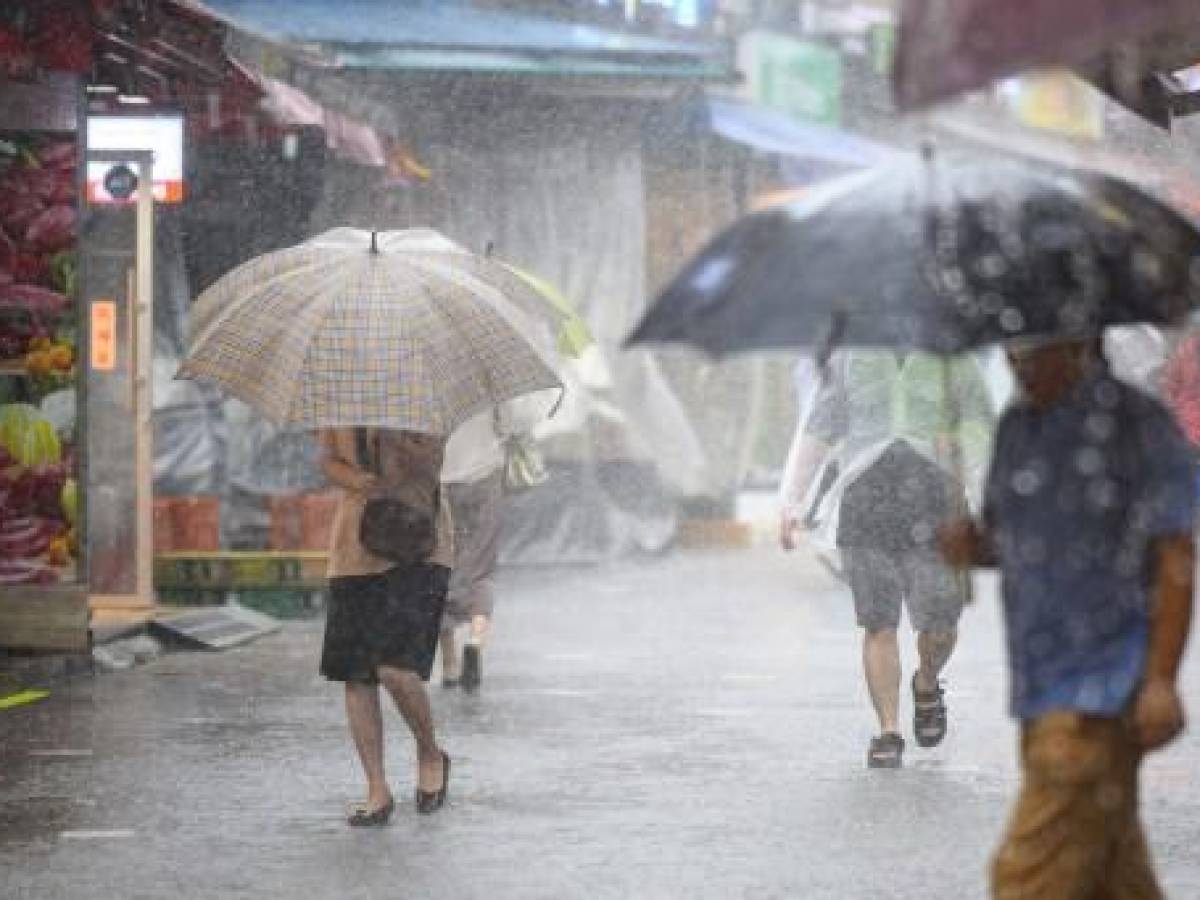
<point x="1076" y="497"/>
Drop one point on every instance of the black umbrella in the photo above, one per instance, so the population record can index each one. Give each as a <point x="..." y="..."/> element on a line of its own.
<point x="941" y="255"/>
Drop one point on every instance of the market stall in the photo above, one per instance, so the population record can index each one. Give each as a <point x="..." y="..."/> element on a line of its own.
<point x="43" y="588"/>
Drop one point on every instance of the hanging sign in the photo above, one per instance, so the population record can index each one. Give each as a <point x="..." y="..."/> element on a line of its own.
<point x="104" y="335"/>
<point x="799" y="79"/>
<point x="160" y="133"/>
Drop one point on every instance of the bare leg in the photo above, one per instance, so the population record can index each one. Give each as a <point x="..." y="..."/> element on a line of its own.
<point x="934" y="649"/>
<point x="881" y="661"/>
<point x="408" y="691"/>
<point x="366" y="727"/>
<point x="451" y="666"/>
<point x="480" y="625"/>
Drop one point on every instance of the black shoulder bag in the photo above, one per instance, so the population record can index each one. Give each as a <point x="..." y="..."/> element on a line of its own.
<point x="391" y="528"/>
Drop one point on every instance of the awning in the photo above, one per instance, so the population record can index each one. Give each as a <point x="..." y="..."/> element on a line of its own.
<point x="415" y="36"/>
<point x="767" y="131"/>
<point x="347" y="138"/>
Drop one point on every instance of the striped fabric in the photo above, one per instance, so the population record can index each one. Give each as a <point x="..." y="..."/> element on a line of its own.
<point x="327" y="334"/>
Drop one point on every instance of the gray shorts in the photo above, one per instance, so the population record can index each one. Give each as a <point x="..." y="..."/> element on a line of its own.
<point x="881" y="580"/>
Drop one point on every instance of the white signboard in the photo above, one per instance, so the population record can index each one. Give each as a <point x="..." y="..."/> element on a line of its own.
<point x="160" y="133"/>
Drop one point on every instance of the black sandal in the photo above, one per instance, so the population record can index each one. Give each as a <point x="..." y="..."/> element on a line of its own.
<point x="371" y="818"/>
<point x="929" y="715"/>
<point x="886" y="751"/>
<point x="431" y="801"/>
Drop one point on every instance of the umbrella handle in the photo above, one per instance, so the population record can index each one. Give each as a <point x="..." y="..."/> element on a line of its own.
<point x="375" y="243"/>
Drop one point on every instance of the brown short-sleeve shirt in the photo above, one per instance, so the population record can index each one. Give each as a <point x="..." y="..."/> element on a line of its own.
<point x="409" y="466"/>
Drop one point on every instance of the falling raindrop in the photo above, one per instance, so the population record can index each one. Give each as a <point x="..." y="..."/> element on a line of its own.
<point x="1012" y="320"/>
<point x="1107" y="395"/>
<point x="1147" y="265"/>
<point x="1027" y="482"/>
<point x="1034" y="551"/>
<point x="922" y="532"/>
<point x="993" y="266"/>
<point x="1102" y="493"/>
<point x="1100" y="427"/>
<point x="1089" y="461"/>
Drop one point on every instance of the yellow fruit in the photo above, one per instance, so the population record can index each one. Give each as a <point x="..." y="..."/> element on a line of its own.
<point x="40" y="343"/>
<point x="73" y="542"/>
<point x="39" y="363"/>
<point x="59" y="553"/>
<point x="36" y="445"/>
<point x="70" y="501"/>
<point x="62" y="357"/>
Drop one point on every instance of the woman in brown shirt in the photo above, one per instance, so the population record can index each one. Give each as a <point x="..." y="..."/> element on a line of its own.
<point x="383" y="619"/>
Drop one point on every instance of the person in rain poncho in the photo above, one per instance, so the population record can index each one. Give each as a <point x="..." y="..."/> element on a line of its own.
<point x="887" y="444"/>
<point x="473" y="483"/>
<point x="1089" y="514"/>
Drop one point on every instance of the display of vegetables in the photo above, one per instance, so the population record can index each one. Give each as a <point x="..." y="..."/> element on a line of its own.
<point x="38" y="234"/>
<point x="38" y="498"/>
<point x="48" y="34"/>
<point x="39" y="223"/>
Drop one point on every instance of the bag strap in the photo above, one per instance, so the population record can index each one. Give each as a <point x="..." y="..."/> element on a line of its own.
<point x="361" y="450"/>
<point x="370" y="453"/>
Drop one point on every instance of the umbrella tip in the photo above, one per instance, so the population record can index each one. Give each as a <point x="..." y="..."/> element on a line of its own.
<point x="928" y="149"/>
<point x="374" y="241"/>
<point x="489" y="249"/>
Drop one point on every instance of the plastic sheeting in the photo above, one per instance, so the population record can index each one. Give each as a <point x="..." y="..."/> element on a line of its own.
<point x="560" y="194"/>
<point x="568" y="206"/>
<point x="189" y="426"/>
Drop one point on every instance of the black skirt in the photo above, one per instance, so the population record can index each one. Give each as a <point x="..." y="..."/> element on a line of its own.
<point x="390" y="619"/>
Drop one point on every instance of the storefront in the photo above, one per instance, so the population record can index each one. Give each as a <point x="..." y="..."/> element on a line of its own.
<point x="43" y="389"/>
<point x="82" y="165"/>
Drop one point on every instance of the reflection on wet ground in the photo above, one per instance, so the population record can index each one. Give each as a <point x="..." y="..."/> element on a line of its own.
<point x="696" y="728"/>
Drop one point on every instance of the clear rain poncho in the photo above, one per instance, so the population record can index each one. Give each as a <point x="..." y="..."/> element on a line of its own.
<point x="864" y="403"/>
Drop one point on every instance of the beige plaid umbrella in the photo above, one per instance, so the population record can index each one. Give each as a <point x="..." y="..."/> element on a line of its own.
<point x="355" y="329"/>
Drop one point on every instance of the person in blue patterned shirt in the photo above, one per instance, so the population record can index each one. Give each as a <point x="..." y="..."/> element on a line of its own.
<point x="1089" y="517"/>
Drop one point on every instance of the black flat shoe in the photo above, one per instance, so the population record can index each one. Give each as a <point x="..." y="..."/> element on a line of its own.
<point x="472" y="668"/>
<point x="365" y="818"/>
<point x="431" y="801"/>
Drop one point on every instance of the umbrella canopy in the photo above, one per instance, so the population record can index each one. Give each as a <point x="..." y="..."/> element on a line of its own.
<point x="937" y="255"/>
<point x="950" y="46"/>
<point x="573" y="334"/>
<point x="1142" y="76"/>
<point x="352" y="329"/>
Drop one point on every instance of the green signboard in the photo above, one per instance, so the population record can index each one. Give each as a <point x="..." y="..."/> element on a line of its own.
<point x="800" y="79"/>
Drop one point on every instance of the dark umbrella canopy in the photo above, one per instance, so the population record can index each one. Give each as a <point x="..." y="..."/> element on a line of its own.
<point x="937" y="255"/>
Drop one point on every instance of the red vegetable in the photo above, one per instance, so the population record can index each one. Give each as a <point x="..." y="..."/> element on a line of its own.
<point x="52" y="230"/>
<point x="40" y="182"/>
<point x="59" y="155"/>
<point x="25" y="572"/>
<point x="63" y="36"/>
<point x="16" y="57"/>
<point x="8" y="252"/>
<point x="31" y="269"/>
<point x="65" y="191"/>
<point x="23" y="538"/>
<point x="38" y="300"/>
<point x="18" y="210"/>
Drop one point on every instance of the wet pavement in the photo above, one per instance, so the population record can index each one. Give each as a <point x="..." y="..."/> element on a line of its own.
<point x="693" y="726"/>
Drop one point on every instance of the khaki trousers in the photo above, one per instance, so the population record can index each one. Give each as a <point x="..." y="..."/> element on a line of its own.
<point x="1075" y="833"/>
